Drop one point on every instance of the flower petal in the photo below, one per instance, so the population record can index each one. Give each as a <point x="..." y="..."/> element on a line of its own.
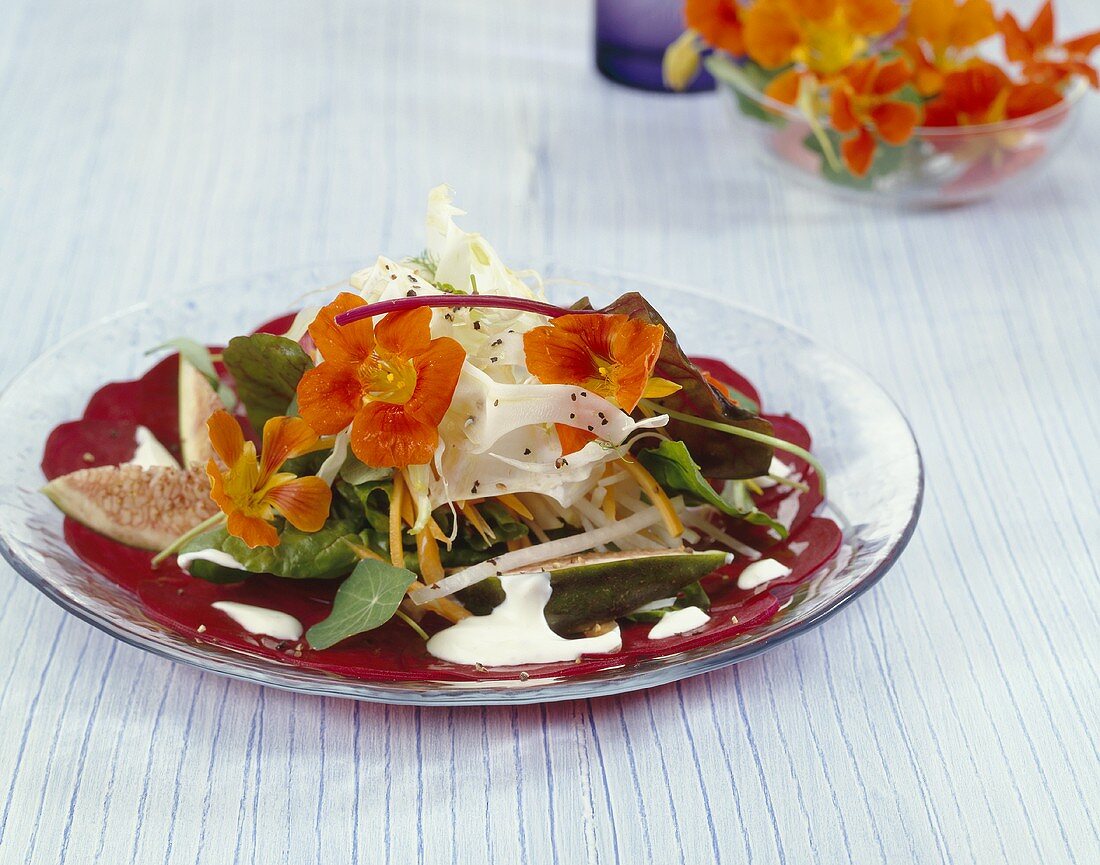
<point x="284" y="437"/>
<point x="972" y="22"/>
<point x="572" y="439"/>
<point x="1041" y="31"/>
<point x="329" y="395"/>
<point x="217" y="488"/>
<point x="859" y="152"/>
<point x="841" y="114"/>
<point x="385" y="435"/>
<point x="305" y="502"/>
<point x="717" y="22"/>
<point x="895" y="121"/>
<point x="437" y="372"/>
<point x="891" y="77"/>
<point x="406" y="334"/>
<point x="349" y="344"/>
<point x="770" y="33"/>
<point x="556" y="356"/>
<point x="635" y="347"/>
<point x="226" y="436"/>
<point x="1025" y="99"/>
<point x="252" y="530"/>
<point x="784" y="87"/>
<point x="870" y="17"/>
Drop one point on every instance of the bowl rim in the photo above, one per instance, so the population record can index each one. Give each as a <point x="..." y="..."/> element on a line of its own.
<point x="664" y="670"/>
<point x="1077" y="88"/>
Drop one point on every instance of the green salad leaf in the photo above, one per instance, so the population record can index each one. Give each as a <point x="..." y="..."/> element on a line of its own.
<point x="672" y="467"/>
<point x="323" y="554"/>
<point x="367" y="598"/>
<point x="267" y="370"/>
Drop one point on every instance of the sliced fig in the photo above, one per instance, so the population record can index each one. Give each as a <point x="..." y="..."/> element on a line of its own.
<point x="197" y="401"/>
<point x="146" y="508"/>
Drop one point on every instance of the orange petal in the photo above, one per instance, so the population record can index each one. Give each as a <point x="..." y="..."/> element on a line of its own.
<point x="349" y="344"/>
<point x="784" y="87"/>
<point x="859" y="152"/>
<point x="1025" y="99"/>
<point x="972" y="22"/>
<point x="1041" y="31"/>
<point x="572" y="439"/>
<point x="770" y="33"/>
<point x="973" y="90"/>
<point x="891" y="77"/>
<point x="556" y="356"/>
<point x="329" y="396"/>
<point x="871" y="17"/>
<point x="841" y="114"/>
<point x="717" y="22"/>
<point x="304" y="502"/>
<point x="814" y="10"/>
<point x="284" y="437"/>
<point x="437" y="371"/>
<point x="930" y="20"/>
<point x="635" y="347"/>
<point x="252" y="530"/>
<point x="226" y="436"/>
<point x="1083" y="45"/>
<point x="385" y="435"/>
<point x="895" y="121"/>
<point x="217" y="488"/>
<point x="406" y="334"/>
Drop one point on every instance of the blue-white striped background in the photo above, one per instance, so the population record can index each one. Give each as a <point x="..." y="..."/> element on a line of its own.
<point x="951" y="715"/>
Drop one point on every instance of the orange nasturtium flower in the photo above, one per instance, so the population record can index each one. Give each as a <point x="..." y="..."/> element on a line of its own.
<point x="823" y="36"/>
<point x="938" y="34"/>
<point x="863" y="100"/>
<point x="1046" y="61"/>
<point x="983" y="93"/>
<point x="716" y="22"/>
<point x="610" y="355"/>
<point x="252" y="489"/>
<point x="393" y="383"/>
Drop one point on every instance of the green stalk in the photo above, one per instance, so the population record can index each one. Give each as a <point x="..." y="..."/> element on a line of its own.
<point x="408" y="621"/>
<point x="776" y="443"/>
<point x="204" y="526"/>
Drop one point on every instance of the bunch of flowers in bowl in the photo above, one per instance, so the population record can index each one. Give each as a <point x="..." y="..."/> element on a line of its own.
<point x="929" y="102"/>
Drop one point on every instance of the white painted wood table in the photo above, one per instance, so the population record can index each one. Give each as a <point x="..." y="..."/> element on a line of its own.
<point x="950" y="715"/>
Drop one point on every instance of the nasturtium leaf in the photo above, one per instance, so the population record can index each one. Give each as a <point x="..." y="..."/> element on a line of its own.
<point x="267" y="370"/>
<point x="743" y="78"/>
<point x="367" y="599"/>
<point x="672" y="467"/>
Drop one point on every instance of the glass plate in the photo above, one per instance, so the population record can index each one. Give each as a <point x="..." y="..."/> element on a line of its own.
<point x="875" y="474"/>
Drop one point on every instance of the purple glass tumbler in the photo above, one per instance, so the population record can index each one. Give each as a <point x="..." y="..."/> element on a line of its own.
<point x="631" y="37"/>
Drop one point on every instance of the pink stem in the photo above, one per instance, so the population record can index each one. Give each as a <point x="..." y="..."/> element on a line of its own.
<point x="455" y="300"/>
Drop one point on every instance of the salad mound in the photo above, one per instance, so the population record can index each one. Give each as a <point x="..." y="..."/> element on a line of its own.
<point x="439" y="472"/>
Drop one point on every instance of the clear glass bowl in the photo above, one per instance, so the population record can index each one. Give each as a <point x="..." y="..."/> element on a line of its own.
<point x="938" y="167"/>
<point x="875" y="475"/>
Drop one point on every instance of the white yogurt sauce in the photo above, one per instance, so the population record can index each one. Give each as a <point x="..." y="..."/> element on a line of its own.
<point x="763" y="571"/>
<point x="150" y="452"/>
<point x="787" y="510"/>
<point x="516" y="631"/>
<point x="777" y="469"/>
<point x="260" y="620"/>
<point x="678" y="622"/>
<point x="215" y="556"/>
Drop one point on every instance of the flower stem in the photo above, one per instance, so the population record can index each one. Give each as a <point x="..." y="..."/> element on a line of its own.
<point x="204" y="526"/>
<point x="777" y="443"/>
<point x="450" y="301"/>
<point x="408" y="621"/>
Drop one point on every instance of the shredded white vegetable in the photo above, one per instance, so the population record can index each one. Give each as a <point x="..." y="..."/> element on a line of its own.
<point x="534" y="555"/>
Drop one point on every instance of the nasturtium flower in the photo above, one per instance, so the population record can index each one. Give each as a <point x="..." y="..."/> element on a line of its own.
<point x="823" y="36"/>
<point x="939" y="35"/>
<point x="982" y="93"/>
<point x="610" y="355"/>
<point x="863" y="100"/>
<point x="1044" y="60"/>
<point x="252" y="490"/>
<point x="391" y="382"/>
<point x="718" y="23"/>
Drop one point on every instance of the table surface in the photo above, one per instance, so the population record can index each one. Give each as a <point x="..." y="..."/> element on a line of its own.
<point x="950" y="715"/>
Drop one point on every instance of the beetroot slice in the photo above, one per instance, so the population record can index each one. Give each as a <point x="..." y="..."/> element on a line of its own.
<point x="86" y="444"/>
<point x="393" y="652"/>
